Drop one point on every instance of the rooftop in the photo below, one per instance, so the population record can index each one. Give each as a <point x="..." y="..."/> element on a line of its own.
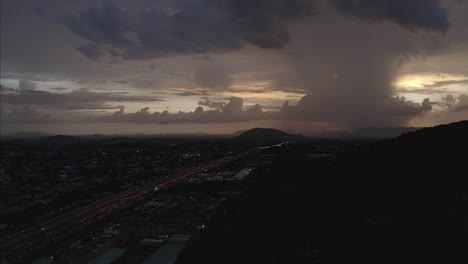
<point x="166" y="254"/>
<point x="108" y="256"/>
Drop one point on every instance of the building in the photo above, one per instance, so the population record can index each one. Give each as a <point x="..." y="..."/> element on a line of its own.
<point x="242" y="174"/>
<point x="166" y="254"/>
<point x="108" y="256"/>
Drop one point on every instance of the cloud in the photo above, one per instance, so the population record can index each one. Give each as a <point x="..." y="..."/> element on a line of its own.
<point x="397" y="111"/>
<point x="185" y="26"/>
<point x="454" y="108"/>
<point x="348" y="66"/>
<point x="234" y="105"/>
<point x="401" y="107"/>
<point x="439" y="84"/>
<point x="461" y="108"/>
<point x="74" y="100"/>
<point x="449" y="101"/>
<point x="106" y="24"/>
<point x="215" y="78"/>
<point x="192" y="93"/>
<point x="411" y="14"/>
<point x="345" y="66"/>
<point x="211" y="104"/>
<point x="459" y="104"/>
<point x="24" y="114"/>
<point x="91" y="51"/>
<point x="26" y="85"/>
<point x="420" y="91"/>
<point x="455" y="104"/>
<point x="232" y="111"/>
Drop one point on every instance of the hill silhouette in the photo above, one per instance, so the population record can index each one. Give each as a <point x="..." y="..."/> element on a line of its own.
<point x="372" y="132"/>
<point x="62" y="139"/>
<point x="407" y="188"/>
<point x="266" y="134"/>
<point x="21" y="135"/>
<point x="402" y="200"/>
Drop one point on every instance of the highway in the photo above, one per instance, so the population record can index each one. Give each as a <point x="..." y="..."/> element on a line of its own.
<point x="20" y="245"/>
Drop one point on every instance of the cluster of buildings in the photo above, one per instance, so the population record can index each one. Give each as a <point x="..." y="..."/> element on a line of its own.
<point x="55" y="179"/>
<point x="41" y="180"/>
<point x="159" y="229"/>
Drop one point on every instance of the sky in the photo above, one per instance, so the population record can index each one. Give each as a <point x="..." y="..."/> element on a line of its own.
<point x="219" y="66"/>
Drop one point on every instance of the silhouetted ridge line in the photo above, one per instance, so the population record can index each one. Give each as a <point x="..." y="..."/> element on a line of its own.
<point x="260" y="134"/>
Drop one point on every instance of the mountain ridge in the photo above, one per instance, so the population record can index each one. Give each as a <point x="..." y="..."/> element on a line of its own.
<point x="261" y="134"/>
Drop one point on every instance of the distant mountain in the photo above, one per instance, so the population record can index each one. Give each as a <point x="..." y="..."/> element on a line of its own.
<point x="50" y="137"/>
<point x="62" y="139"/>
<point x="373" y="132"/>
<point x="262" y="134"/>
<point x="383" y="132"/>
<point x="238" y="133"/>
<point x="98" y="136"/>
<point x="424" y="144"/>
<point x="24" y="135"/>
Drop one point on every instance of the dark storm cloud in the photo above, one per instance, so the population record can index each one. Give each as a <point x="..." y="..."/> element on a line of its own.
<point x="397" y="110"/>
<point x="105" y="24"/>
<point x="27" y="94"/>
<point x="357" y="61"/>
<point x="411" y="14"/>
<point x="345" y="66"/>
<point x="186" y="26"/>
<point x="91" y="51"/>
<point x="231" y="111"/>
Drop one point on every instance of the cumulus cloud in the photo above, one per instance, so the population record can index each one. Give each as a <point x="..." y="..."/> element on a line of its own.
<point x="402" y="107"/>
<point x="456" y="104"/>
<point x="211" y="104"/>
<point x="454" y="108"/>
<point x="449" y="101"/>
<point x="462" y="103"/>
<point x="27" y="94"/>
<point x="232" y="111"/>
<point x="411" y="14"/>
<point x="234" y="105"/>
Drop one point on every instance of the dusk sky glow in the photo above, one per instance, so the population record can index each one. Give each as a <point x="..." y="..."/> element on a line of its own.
<point x="218" y="66"/>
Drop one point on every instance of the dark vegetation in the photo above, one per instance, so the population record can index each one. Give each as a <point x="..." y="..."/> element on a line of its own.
<point x="403" y="200"/>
